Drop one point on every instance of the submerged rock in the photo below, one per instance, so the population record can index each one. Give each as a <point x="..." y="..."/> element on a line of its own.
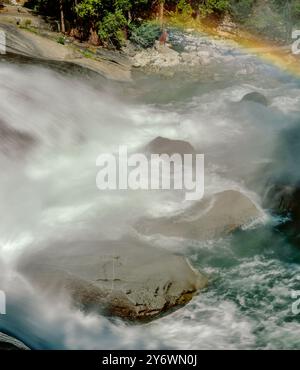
<point x="8" y="343"/>
<point x="119" y="278"/>
<point x="256" y="97"/>
<point x="281" y="194"/>
<point x="283" y="200"/>
<point x="210" y="218"/>
<point x="161" y="145"/>
<point x="14" y="143"/>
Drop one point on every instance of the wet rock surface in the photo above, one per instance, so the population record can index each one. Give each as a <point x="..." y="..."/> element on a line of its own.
<point x="211" y="218"/>
<point x="8" y="343"/>
<point x="256" y="97"/>
<point x="161" y="145"/>
<point x="126" y="279"/>
<point x="282" y="190"/>
<point x="283" y="201"/>
<point x="14" y="143"/>
<point x="184" y="50"/>
<point x="21" y="42"/>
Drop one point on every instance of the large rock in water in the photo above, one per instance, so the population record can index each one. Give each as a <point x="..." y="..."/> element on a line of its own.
<point x="8" y="343"/>
<point x="208" y="219"/>
<point x="14" y="143"/>
<point x="256" y="97"/>
<point x="283" y="199"/>
<point x="161" y="145"/>
<point x="281" y="194"/>
<point x="119" y="278"/>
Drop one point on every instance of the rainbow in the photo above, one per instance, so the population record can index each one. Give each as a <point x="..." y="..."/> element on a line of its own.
<point x="270" y="52"/>
<point x="280" y="56"/>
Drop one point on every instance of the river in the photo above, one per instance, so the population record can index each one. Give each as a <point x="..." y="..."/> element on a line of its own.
<point x="47" y="192"/>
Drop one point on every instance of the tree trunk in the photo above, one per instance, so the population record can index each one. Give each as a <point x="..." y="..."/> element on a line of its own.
<point x="289" y="21"/>
<point x="161" y="12"/>
<point x="62" y="17"/>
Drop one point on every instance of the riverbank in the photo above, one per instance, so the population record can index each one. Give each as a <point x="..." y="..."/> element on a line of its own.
<point x="31" y="34"/>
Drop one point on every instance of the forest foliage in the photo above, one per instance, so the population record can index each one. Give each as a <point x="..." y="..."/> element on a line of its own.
<point x="110" y="22"/>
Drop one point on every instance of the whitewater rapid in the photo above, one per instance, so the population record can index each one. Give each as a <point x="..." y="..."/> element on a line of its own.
<point x="48" y="192"/>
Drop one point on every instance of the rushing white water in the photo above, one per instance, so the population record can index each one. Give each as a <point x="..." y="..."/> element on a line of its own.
<point x="55" y="129"/>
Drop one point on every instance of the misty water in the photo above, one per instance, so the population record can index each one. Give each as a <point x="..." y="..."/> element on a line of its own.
<point x="58" y="122"/>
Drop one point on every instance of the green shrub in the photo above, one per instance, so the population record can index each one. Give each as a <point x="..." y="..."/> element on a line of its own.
<point x="87" y="54"/>
<point x="61" y="40"/>
<point x="27" y="22"/>
<point x="185" y="8"/>
<point x="296" y="10"/>
<point x="268" y="22"/>
<point x="214" y="6"/>
<point x="146" y="34"/>
<point x="110" y="29"/>
<point x="241" y="9"/>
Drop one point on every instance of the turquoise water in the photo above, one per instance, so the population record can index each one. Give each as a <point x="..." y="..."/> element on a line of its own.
<point x="257" y="272"/>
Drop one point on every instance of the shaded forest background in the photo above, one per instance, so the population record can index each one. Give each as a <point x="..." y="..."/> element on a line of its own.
<point x="111" y="22"/>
